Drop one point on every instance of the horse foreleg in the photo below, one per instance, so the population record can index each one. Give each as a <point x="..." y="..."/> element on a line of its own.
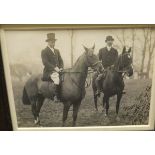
<point x="119" y="96"/>
<point x="95" y="101"/>
<point x="104" y="101"/>
<point x="39" y="104"/>
<point x="34" y="111"/>
<point x="75" y="112"/>
<point x="65" y="112"/>
<point x="94" y="86"/>
<point x="107" y="106"/>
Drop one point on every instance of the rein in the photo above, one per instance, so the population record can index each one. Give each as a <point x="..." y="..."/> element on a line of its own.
<point x="96" y="63"/>
<point x="75" y="81"/>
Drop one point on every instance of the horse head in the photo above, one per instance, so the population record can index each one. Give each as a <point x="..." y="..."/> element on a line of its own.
<point x="92" y="60"/>
<point x="125" y="61"/>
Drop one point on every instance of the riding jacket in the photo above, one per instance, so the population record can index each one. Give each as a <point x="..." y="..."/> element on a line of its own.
<point x="50" y="59"/>
<point x="108" y="57"/>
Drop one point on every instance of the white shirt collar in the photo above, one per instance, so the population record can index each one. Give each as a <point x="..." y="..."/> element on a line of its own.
<point x="52" y="49"/>
<point x="109" y="48"/>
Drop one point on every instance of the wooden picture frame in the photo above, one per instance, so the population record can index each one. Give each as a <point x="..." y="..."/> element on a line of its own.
<point x="8" y="34"/>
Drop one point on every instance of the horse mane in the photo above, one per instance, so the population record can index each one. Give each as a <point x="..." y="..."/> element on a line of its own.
<point x="117" y="63"/>
<point x="120" y="61"/>
<point x="77" y="61"/>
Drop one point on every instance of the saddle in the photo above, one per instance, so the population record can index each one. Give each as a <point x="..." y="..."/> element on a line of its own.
<point x="104" y="73"/>
<point x="48" y="88"/>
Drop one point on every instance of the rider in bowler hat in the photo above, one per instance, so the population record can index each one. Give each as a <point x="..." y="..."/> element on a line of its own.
<point x="108" y="56"/>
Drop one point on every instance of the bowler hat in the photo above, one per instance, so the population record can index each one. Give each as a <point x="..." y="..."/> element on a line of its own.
<point x="50" y="36"/>
<point x="109" y="38"/>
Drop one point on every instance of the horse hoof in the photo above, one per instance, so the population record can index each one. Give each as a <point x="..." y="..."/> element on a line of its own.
<point x="103" y="111"/>
<point x="37" y="121"/>
<point x="107" y="120"/>
<point x="118" y="119"/>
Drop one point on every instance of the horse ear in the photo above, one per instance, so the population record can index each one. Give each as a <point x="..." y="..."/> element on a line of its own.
<point x="129" y="50"/>
<point x="86" y="49"/>
<point x="93" y="46"/>
<point x="124" y="49"/>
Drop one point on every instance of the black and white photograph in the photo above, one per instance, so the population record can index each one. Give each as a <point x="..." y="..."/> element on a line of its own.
<point x="80" y="78"/>
<point x="77" y="77"/>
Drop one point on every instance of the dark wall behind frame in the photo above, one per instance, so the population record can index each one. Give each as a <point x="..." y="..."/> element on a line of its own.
<point x="5" y="117"/>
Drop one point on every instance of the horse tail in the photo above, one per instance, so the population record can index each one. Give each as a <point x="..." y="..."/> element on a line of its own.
<point x="25" y="98"/>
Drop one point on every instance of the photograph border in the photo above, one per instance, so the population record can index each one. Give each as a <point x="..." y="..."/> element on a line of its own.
<point x="3" y="28"/>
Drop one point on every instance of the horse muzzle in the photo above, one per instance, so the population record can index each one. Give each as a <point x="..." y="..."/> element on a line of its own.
<point x="130" y="71"/>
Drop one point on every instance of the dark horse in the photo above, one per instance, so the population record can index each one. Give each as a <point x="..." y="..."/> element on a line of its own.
<point x="72" y="87"/>
<point x="113" y="83"/>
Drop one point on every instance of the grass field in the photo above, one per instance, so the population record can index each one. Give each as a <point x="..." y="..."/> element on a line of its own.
<point x="51" y="113"/>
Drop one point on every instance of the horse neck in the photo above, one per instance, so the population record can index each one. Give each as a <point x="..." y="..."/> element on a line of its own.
<point x="117" y="68"/>
<point x="80" y="70"/>
<point x="117" y="65"/>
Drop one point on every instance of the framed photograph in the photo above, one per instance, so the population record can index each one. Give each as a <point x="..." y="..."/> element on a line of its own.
<point x="80" y="77"/>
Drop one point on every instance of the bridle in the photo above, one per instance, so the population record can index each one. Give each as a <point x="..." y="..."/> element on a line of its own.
<point x="89" y="64"/>
<point x="124" y="68"/>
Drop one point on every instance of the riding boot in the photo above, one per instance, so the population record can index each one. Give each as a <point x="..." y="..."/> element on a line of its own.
<point x="99" y="80"/>
<point x="98" y="88"/>
<point x="123" y="86"/>
<point x="57" y="97"/>
<point x="98" y="85"/>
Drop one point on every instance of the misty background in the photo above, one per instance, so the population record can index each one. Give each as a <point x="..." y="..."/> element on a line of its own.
<point x="24" y="47"/>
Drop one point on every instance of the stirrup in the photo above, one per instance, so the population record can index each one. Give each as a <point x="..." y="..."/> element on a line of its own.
<point x="98" y="93"/>
<point x="56" y="100"/>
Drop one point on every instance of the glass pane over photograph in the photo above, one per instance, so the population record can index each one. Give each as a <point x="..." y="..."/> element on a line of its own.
<point x="81" y="78"/>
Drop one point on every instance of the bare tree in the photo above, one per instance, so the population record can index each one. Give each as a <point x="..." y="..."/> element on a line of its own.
<point x="121" y="39"/>
<point x="151" y="48"/>
<point x="133" y="41"/>
<point x="72" y="48"/>
<point x="145" y="34"/>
